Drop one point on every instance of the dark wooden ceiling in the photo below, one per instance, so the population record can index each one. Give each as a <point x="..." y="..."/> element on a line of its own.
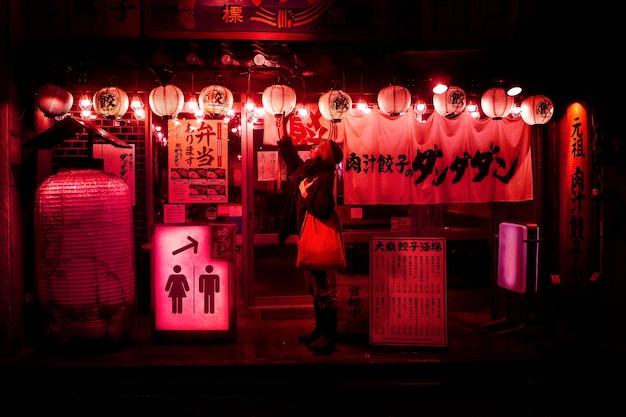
<point x="548" y="53"/>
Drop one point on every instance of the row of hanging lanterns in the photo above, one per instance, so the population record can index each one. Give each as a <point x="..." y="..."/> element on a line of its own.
<point x="216" y="101"/>
<point x="495" y="103"/>
<point x="395" y="100"/>
<point x="112" y="102"/>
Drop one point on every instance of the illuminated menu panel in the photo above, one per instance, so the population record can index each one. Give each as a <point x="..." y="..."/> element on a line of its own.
<point x="408" y="291"/>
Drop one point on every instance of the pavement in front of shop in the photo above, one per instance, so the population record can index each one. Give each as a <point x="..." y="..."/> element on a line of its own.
<point x="538" y="370"/>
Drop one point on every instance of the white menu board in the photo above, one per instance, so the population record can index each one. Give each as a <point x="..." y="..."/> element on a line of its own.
<point x="408" y="292"/>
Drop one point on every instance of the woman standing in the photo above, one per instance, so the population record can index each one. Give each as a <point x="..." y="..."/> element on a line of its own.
<point x="311" y="188"/>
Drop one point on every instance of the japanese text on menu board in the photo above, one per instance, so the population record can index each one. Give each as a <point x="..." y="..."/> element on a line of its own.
<point x="197" y="161"/>
<point x="408" y="291"/>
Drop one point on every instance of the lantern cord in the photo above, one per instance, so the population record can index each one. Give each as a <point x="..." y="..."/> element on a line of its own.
<point x="279" y="123"/>
<point x="334" y="130"/>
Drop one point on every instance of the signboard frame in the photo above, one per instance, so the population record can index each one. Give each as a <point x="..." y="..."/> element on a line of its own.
<point x="184" y="249"/>
<point x="408" y="291"/>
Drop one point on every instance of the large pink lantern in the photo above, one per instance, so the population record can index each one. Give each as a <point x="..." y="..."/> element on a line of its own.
<point x="84" y="251"/>
<point x="450" y="103"/>
<point x="496" y="103"/>
<point x="537" y="110"/>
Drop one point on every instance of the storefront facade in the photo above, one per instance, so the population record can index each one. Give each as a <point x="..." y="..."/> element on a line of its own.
<point x="249" y="48"/>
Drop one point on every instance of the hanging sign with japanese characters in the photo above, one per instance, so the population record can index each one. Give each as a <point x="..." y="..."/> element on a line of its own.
<point x="399" y="160"/>
<point x="408" y="292"/>
<point x="118" y="161"/>
<point x="197" y="161"/>
<point x="577" y="180"/>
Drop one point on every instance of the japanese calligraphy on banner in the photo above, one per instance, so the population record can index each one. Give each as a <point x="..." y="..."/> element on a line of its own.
<point x="403" y="161"/>
<point x="120" y="162"/>
<point x="303" y="131"/>
<point x="197" y="161"/>
<point x="408" y="291"/>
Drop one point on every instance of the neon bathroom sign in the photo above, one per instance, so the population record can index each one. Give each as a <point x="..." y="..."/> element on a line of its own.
<point x="190" y="289"/>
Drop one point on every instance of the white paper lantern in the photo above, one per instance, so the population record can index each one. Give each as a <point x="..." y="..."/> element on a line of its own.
<point x="166" y="101"/>
<point x="279" y="99"/>
<point x="394" y="100"/>
<point x="216" y="100"/>
<point x="84" y="251"/>
<point x="450" y="103"/>
<point x="496" y="103"/>
<point x="537" y="110"/>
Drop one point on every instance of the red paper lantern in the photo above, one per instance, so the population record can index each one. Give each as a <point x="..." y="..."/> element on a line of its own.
<point x="450" y="103"/>
<point x="166" y="101"/>
<point x="111" y="102"/>
<point x="279" y="99"/>
<point x="496" y="103"/>
<point x="216" y="100"/>
<point x="85" y="269"/>
<point x="394" y="100"/>
<point x="53" y="100"/>
<point x="537" y="110"/>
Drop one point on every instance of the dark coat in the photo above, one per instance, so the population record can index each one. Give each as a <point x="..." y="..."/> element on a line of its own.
<point x="320" y="201"/>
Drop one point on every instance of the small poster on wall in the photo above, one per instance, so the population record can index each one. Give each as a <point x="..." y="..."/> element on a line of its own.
<point x="408" y="292"/>
<point x="120" y="162"/>
<point x="222" y="241"/>
<point x="197" y="161"/>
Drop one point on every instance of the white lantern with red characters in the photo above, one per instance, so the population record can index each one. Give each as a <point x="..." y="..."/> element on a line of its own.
<point x="451" y="102"/>
<point x="496" y="103"/>
<point x="537" y="110"/>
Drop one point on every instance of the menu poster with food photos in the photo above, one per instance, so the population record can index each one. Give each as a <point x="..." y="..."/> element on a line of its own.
<point x="408" y="292"/>
<point x="197" y="161"/>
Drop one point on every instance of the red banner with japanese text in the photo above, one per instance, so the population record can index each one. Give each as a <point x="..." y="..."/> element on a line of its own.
<point x="399" y="160"/>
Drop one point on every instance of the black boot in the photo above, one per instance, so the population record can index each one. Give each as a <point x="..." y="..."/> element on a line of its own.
<point x="312" y="336"/>
<point x="327" y="342"/>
